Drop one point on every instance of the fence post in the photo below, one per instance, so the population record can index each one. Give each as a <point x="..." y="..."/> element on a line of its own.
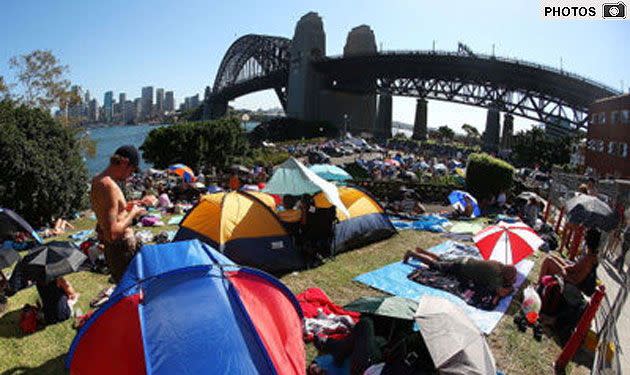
<point x="559" y="220"/>
<point x="582" y="328"/>
<point x="576" y="240"/>
<point x="547" y="210"/>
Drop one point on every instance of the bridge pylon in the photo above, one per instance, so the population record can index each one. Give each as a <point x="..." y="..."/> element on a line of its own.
<point x="383" y="128"/>
<point x="493" y="128"/>
<point x="420" y="124"/>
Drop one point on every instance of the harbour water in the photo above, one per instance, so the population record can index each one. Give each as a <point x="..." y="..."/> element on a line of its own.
<point x="109" y="138"/>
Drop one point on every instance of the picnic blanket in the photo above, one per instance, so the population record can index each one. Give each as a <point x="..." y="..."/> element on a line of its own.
<point x="175" y="220"/>
<point x="393" y="279"/>
<point x="467" y="227"/>
<point x="431" y="223"/>
<point x="82" y="235"/>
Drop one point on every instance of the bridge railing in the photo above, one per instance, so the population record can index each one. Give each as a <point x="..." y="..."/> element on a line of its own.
<point x="496" y="58"/>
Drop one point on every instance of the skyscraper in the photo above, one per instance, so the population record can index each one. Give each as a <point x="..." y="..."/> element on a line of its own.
<point x="93" y="111"/>
<point x="159" y="101"/>
<point x="169" y="101"/>
<point x="129" y="112"/>
<point x="108" y="106"/>
<point x="122" y="98"/>
<point x="194" y="101"/>
<point x="147" y="101"/>
<point x="137" y="108"/>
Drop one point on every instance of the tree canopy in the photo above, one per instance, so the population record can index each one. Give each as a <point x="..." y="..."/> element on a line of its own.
<point x="43" y="174"/>
<point x="445" y="133"/>
<point x="534" y="146"/>
<point x="201" y="144"/>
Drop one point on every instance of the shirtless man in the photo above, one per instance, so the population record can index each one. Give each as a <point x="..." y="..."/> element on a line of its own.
<point x="114" y="218"/>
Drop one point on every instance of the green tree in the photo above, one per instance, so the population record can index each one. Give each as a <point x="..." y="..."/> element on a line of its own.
<point x="534" y="146"/>
<point x="445" y="133"/>
<point x="42" y="80"/>
<point x="472" y="134"/>
<point x="4" y="89"/>
<point x="43" y="175"/>
<point x="198" y="145"/>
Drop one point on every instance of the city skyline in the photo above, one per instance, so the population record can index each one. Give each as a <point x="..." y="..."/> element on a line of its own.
<point x="187" y="61"/>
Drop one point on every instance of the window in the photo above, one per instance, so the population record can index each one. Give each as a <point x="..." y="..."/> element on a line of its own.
<point x="612" y="148"/>
<point x="600" y="145"/>
<point x="625" y="116"/>
<point x="593" y="118"/>
<point x="623" y="150"/>
<point x="602" y="118"/>
<point x="614" y="117"/>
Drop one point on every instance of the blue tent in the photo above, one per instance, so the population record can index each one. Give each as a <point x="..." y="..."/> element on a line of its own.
<point x="183" y="307"/>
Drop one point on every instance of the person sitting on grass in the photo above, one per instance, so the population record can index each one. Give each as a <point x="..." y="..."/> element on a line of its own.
<point x="58" y="297"/>
<point x="574" y="272"/>
<point x="489" y="274"/>
<point x="60" y="226"/>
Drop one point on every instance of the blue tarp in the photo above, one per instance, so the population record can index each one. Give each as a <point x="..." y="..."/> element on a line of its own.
<point x="431" y="223"/>
<point x="393" y="279"/>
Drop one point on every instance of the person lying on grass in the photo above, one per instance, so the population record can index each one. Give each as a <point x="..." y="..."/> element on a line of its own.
<point x="483" y="273"/>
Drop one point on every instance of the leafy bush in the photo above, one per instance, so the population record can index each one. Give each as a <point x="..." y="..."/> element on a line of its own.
<point x="200" y="144"/>
<point x="487" y="176"/>
<point x="265" y="157"/>
<point x="42" y="174"/>
<point x="284" y="129"/>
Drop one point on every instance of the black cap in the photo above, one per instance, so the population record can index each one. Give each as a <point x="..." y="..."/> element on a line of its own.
<point x="130" y="152"/>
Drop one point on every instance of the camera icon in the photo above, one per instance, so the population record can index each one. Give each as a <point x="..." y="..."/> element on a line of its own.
<point x="614" y="10"/>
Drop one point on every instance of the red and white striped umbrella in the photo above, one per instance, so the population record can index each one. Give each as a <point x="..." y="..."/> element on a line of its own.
<point x="507" y="243"/>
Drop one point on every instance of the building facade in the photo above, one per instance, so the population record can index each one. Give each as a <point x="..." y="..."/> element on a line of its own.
<point x="169" y="101"/>
<point x="608" y="137"/>
<point x="108" y="106"/>
<point x="147" y="102"/>
<point x="159" y="102"/>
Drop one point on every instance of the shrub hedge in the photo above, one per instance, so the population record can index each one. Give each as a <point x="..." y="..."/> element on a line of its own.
<point x="42" y="174"/>
<point x="200" y="144"/>
<point x="487" y="176"/>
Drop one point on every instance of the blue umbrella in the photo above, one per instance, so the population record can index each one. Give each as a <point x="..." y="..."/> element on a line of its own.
<point x="458" y="200"/>
<point x="330" y="172"/>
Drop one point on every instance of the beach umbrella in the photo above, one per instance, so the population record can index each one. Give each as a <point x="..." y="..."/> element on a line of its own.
<point x="440" y="167"/>
<point x="47" y="262"/>
<point x="454" y="342"/>
<point x="507" y="243"/>
<point x="183" y="171"/>
<point x="292" y="177"/>
<point x="392" y="162"/>
<point x="11" y="223"/>
<point x="330" y="172"/>
<point x="8" y="257"/>
<point x="392" y="307"/>
<point x="458" y="200"/>
<point x="591" y="212"/>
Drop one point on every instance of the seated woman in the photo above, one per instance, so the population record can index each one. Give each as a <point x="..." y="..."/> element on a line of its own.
<point x="489" y="274"/>
<point x="574" y="272"/>
<point x="56" y="296"/>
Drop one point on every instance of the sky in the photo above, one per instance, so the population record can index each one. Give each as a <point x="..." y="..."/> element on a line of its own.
<point x="178" y="45"/>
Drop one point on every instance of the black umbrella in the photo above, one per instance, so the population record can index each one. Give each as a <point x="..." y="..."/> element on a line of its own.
<point x="8" y="257"/>
<point x="591" y="212"/>
<point x="47" y="262"/>
<point x="11" y="223"/>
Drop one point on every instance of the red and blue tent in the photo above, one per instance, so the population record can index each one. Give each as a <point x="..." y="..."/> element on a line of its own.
<point x="184" y="308"/>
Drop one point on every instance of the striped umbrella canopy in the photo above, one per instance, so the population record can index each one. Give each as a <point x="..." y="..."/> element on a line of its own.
<point x="507" y="243"/>
<point x="183" y="171"/>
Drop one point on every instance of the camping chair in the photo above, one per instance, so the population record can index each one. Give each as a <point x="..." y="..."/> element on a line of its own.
<point x="318" y="232"/>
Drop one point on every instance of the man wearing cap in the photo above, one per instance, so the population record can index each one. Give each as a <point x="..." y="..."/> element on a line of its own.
<point x="114" y="218"/>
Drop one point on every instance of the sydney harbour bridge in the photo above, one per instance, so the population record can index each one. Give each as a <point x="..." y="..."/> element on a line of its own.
<point x="359" y="84"/>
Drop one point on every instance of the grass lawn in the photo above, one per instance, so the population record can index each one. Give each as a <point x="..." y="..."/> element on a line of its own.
<point x="43" y="352"/>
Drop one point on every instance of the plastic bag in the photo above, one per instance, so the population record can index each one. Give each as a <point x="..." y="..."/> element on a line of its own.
<point x="531" y="304"/>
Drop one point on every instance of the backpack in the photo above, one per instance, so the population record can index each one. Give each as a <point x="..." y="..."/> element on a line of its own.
<point x="550" y="290"/>
<point x="28" y="319"/>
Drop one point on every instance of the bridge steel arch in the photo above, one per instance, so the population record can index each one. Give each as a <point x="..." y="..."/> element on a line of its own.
<point x="252" y="63"/>
<point x="528" y="90"/>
